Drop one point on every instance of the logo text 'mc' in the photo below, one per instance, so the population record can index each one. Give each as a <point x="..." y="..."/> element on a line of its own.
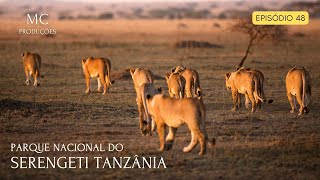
<point x="36" y="18"/>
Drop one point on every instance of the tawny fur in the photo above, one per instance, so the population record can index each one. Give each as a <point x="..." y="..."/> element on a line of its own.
<point x="247" y="83"/>
<point x="260" y="77"/>
<point x="97" y="68"/>
<point x="192" y="80"/>
<point x="298" y="86"/>
<point x="176" y="85"/>
<point x="32" y="65"/>
<point x="141" y="76"/>
<point x="171" y="112"/>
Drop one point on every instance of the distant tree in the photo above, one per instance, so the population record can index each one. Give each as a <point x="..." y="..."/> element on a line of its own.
<point x="257" y="33"/>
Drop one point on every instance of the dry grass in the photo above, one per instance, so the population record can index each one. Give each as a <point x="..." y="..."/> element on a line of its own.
<point x="268" y="144"/>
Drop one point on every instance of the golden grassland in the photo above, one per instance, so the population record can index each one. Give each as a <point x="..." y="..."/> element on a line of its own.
<point x="271" y="143"/>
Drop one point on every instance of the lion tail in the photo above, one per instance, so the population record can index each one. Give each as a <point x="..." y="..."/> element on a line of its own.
<point x="258" y="91"/>
<point x="108" y="71"/>
<point x="181" y="89"/>
<point x="144" y="97"/>
<point x="303" y="87"/>
<point x="211" y="142"/>
<point x="194" y="85"/>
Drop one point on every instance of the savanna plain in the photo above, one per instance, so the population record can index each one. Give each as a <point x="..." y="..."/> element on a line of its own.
<point x="268" y="144"/>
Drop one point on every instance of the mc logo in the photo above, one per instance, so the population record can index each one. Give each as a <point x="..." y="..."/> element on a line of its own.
<point x="36" y="19"/>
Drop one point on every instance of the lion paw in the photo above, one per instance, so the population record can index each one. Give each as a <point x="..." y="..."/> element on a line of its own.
<point x="27" y="82"/>
<point x="143" y="132"/>
<point x="186" y="149"/>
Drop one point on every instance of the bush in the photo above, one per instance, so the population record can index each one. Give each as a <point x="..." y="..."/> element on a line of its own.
<point x="106" y="15"/>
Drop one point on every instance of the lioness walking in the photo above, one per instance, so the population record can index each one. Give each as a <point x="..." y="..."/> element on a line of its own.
<point x="32" y="65"/>
<point x="192" y="80"/>
<point x="97" y="68"/>
<point x="247" y="83"/>
<point x="298" y="86"/>
<point x="171" y="112"/>
<point x="143" y="84"/>
<point x="176" y="85"/>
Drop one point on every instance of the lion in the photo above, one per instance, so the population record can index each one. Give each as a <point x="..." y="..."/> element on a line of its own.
<point x="298" y="86"/>
<point x="176" y="84"/>
<point x="247" y="83"/>
<point x="141" y="77"/>
<point x="260" y="77"/>
<point x="172" y="112"/>
<point x="97" y="68"/>
<point x="32" y="65"/>
<point x="192" y="80"/>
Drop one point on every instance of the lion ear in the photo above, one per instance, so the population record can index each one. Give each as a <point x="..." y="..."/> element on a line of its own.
<point x="83" y="61"/>
<point x="199" y="92"/>
<point x="167" y="76"/>
<point x="173" y="69"/>
<point x="22" y="54"/>
<point x="132" y="71"/>
<point x="227" y="75"/>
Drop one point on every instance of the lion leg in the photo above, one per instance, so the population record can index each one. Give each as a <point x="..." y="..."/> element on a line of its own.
<point x="153" y="126"/>
<point x="188" y="89"/>
<point x="193" y="143"/>
<point x="170" y="138"/>
<point x="171" y="94"/>
<point x="177" y="94"/>
<point x="299" y="99"/>
<point x="239" y="101"/>
<point x="235" y="101"/>
<point x="87" y="84"/>
<point x="161" y="132"/>
<point x="251" y="97"/>
<point x="247" y="103"/>
<point x="291" y="101"/>
<point x="99" y="85"/>
<point x="35" y="77"/>
<point x="141" y="117"/>
<point x="102" y="79"/>
<point x="35" y="83"/>
<point x="26" y="72"/>
<point x="202" y="141"/>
